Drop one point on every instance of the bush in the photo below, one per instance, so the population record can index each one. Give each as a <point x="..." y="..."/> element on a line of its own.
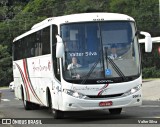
<point x="151" y="72"/>
<point x="5" y="66"/>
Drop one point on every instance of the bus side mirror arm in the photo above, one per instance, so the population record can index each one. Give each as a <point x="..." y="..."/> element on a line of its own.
<point x="148" y="41"/>
<point x="59" y="47"/>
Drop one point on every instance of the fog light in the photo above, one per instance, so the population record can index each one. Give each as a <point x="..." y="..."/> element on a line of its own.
<point x="70" y="104"/>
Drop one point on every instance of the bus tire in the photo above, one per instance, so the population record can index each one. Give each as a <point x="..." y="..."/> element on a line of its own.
<point x="57" y="114"/>
<point x="115" y="111"/>
<point x="27" y="105"/>
<point x="35" y="106"/>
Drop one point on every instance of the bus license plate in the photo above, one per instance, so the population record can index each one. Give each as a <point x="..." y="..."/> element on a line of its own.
<point x="107" y="103"/>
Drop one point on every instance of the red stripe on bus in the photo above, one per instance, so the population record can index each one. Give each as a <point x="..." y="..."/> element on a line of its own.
<point x="26" y="75"/>
<point x="102" y="89"/>
<point x="25" y="83"/>
<point x="29" y="81"/>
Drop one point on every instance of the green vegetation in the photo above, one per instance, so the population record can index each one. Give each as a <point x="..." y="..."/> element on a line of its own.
<point x="4" y="87"/>
<point x="151" y="73"/>
<point x="18" y="16"/>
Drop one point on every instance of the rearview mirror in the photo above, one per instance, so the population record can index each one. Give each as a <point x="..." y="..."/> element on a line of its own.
<point x="59" y="47"/>
<point x="148" y="41"/>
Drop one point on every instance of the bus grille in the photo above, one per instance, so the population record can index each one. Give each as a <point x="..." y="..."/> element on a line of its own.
<point x="104" y="96"/>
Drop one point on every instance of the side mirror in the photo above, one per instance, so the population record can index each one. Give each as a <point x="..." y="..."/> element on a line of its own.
<point x="148" y="41"/>
<point x="59" y="47"/>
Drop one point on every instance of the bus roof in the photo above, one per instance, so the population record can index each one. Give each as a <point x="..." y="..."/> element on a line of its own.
<point x="82" y="17"/>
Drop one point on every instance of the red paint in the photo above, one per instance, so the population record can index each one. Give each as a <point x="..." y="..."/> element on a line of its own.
<point x="102" y="89"/>
<point x="26" y="78"/>
<point x="28" y="81"/>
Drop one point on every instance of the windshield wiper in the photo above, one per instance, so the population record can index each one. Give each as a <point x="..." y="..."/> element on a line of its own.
<point x="116" y="68"/>
<point x="90" y="71"/>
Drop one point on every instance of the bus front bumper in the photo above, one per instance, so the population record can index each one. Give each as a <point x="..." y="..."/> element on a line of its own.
<point x="71" y="103"/>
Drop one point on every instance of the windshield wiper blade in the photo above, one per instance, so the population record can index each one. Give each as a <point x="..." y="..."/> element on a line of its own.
<point x="90" y="71"/>
<point x="116" y="68"/>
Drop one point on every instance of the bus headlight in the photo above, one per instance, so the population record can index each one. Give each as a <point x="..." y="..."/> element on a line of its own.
<point x="75" y="94"/>
<point x="132" y="91"/>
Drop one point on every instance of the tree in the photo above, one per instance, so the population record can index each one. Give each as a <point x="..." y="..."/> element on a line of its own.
<point x="145" y="12"/>
<point x="5" y="66"/>
<point x="18" y="16"/>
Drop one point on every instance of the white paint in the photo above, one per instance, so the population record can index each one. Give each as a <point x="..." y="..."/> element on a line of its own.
<point x="37" y="76"/>
<point x="84" y="17"/>
<point x="5" y="99"/>
<point x="150" y="106"/>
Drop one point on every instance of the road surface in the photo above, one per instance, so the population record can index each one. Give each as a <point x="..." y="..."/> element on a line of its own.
<point x="11" y="107"/>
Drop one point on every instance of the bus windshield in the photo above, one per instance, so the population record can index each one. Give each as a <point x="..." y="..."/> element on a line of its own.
<point x="100" y="51"/>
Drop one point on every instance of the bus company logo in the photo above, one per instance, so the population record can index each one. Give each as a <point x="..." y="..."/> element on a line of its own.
<point x="104" y="81"/>
<point x="40" y="67"/>
<point x="85" y="88"/>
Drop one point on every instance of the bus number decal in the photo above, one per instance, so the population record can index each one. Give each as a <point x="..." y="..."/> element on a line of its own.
<point x="136" y="96"/>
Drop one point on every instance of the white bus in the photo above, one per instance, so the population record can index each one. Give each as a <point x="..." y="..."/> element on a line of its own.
<point x="42" y="56"/>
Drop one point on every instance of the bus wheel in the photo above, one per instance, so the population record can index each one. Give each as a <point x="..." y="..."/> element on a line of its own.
<point x="115" y="111"/>
<point x="27" y="105"/>
<point x="35" y="106"/>
<point x="57" y="114"/>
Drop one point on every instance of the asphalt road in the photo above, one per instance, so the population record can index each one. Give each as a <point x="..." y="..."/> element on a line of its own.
<point x="11" y="107"/>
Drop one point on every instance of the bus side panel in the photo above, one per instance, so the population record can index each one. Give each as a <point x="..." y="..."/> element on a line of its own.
<point x="20" y="81"/>
<point x="56" y="94"/>
<point x="40" y="77"/>
<point x="17" y="81"/>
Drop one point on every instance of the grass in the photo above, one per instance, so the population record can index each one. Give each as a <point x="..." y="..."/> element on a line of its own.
<point x="4" y="87"/>
<point x="151" y="78"/>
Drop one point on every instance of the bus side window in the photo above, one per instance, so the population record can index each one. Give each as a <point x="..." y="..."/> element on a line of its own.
<point x="46" y="41"/>
<point x="32" y="45"/>
<point x="25" y="47"/>
<point x="21" y="49"/>
<point x="38" y="46"/>
<point x="15" y="50"/>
